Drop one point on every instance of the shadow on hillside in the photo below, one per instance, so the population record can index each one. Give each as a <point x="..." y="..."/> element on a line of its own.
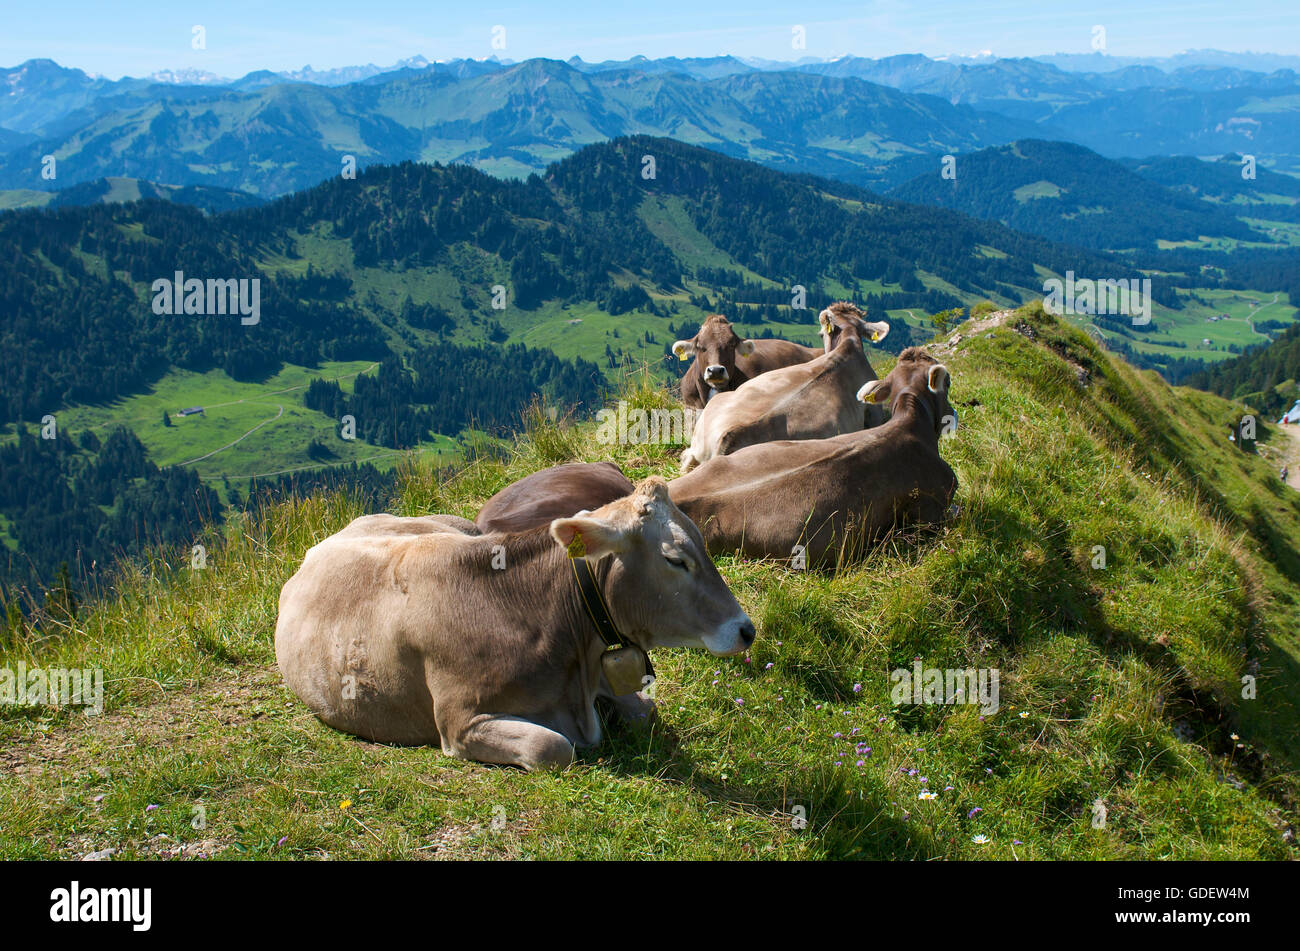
<point x="1277" y="700"/>
<point x="847" y="821"/>
<point x="1278" y="547"/>
<point x="1164" y="447"/>
<point x="1065" y="593"/>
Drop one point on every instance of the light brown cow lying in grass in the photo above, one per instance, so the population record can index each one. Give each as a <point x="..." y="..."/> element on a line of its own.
<point x="832" y="495"/>
<point x="414" y="630"/>
<point x="723" y="361"/>
<point x="812" y="400"/>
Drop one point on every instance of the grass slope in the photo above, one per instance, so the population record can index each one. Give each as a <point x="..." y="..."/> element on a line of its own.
<point x="1120" y="684"/>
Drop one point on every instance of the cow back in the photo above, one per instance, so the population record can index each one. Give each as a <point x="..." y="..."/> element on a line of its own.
<point x="553" y="493"/>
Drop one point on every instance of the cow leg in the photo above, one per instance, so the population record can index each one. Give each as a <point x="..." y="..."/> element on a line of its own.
<point x="513" y="741"/>
<point x="635" y="709"/>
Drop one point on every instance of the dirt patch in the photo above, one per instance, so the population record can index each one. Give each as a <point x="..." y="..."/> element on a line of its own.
<point x="1286" y="451"/>
<point x="971" y="328"/>
<point x="158" y="846"/>
<point x="241" y="696"/>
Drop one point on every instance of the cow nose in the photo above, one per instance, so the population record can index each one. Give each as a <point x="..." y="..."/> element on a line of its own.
<point x="747" y="632"/>
<point x="715" y="372"/>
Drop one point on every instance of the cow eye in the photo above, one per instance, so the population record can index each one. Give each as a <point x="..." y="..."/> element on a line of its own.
<point x="677" y="562"/>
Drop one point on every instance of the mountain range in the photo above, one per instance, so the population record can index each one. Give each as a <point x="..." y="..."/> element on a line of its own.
<point x="512" y="121"/>
<point x="868" y="122"/>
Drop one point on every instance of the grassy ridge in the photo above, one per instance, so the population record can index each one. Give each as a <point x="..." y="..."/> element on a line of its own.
<point x="1120" y="684"/>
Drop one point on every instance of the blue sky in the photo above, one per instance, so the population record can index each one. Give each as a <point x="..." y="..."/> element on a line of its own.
<point x="138" y="38"/>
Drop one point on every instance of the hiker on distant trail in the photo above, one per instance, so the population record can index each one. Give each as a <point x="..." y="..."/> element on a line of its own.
<point x="1285" y="472"/>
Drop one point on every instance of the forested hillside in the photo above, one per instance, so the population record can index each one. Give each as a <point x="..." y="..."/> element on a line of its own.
<point x="109" y="190"/>
<point x="1071" y="194"/>
<point x="1221" y="180"/>
<point x="76" y="283"/>
<point x="455" y="298"/>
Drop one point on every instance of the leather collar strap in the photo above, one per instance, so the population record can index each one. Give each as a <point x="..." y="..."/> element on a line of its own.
<point x="594" y="601"/>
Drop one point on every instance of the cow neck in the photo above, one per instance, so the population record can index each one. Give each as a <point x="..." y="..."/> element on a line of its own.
<point x="850" y="350"/>
<point x="591" y="599"/>
<point x="542" y="577"/>
<point x="913" y="412"/>
<point x="573" y="613"/>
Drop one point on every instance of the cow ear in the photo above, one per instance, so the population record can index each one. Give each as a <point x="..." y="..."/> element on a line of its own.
<point x="824" y="318"/>
<point x="683" y="349"/>
<point x="586" y="537"/>
<point x="940" y="378"/>
<point x="877" y="331"/>
<point x="744" y="348"/>
<point x="877" y="391"/>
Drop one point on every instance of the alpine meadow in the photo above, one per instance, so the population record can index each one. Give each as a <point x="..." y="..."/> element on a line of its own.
<point x="779" y="451"/>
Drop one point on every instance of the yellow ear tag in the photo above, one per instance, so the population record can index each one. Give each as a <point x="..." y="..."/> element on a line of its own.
<point x="875" y="336"/>
<point x="683" y="356"/>
<point x="577" y="547"/>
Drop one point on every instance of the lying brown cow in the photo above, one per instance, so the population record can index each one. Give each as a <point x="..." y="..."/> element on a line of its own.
<point x="414" y="630"/>
<point x="813" y="400"/>
<point x="831" y="495"/>
<point x="723" y="361"/>
<point x="553" y="493"/>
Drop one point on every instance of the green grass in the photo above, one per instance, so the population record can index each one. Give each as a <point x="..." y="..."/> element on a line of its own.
<point x="668" y="220"/>
<point x="1276" y="234"/>
<point x="24" y="198"/>
<point x="1039" y="189"/>
<point x="1191" y="325"/>
<point x="1120" y="684"/>
<point x="246" y="429"/>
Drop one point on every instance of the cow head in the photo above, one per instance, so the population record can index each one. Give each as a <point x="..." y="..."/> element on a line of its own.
<point x="843" y="317"/>
<point x="662" y="588"/>
<point x="716" y="347"/>
<point x="924" y="378"/>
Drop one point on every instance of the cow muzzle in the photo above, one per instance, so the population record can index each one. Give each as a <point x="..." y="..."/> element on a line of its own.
<point x="733" y="637"/>
<point x="713" y="375"/>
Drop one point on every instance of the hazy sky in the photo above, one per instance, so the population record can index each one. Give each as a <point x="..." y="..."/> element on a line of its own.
<point x="140" y="37"/>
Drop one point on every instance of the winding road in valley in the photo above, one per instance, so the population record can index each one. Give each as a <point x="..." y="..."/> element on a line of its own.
<point x="1250" y="318"/>
<point x="264" y="422"/>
